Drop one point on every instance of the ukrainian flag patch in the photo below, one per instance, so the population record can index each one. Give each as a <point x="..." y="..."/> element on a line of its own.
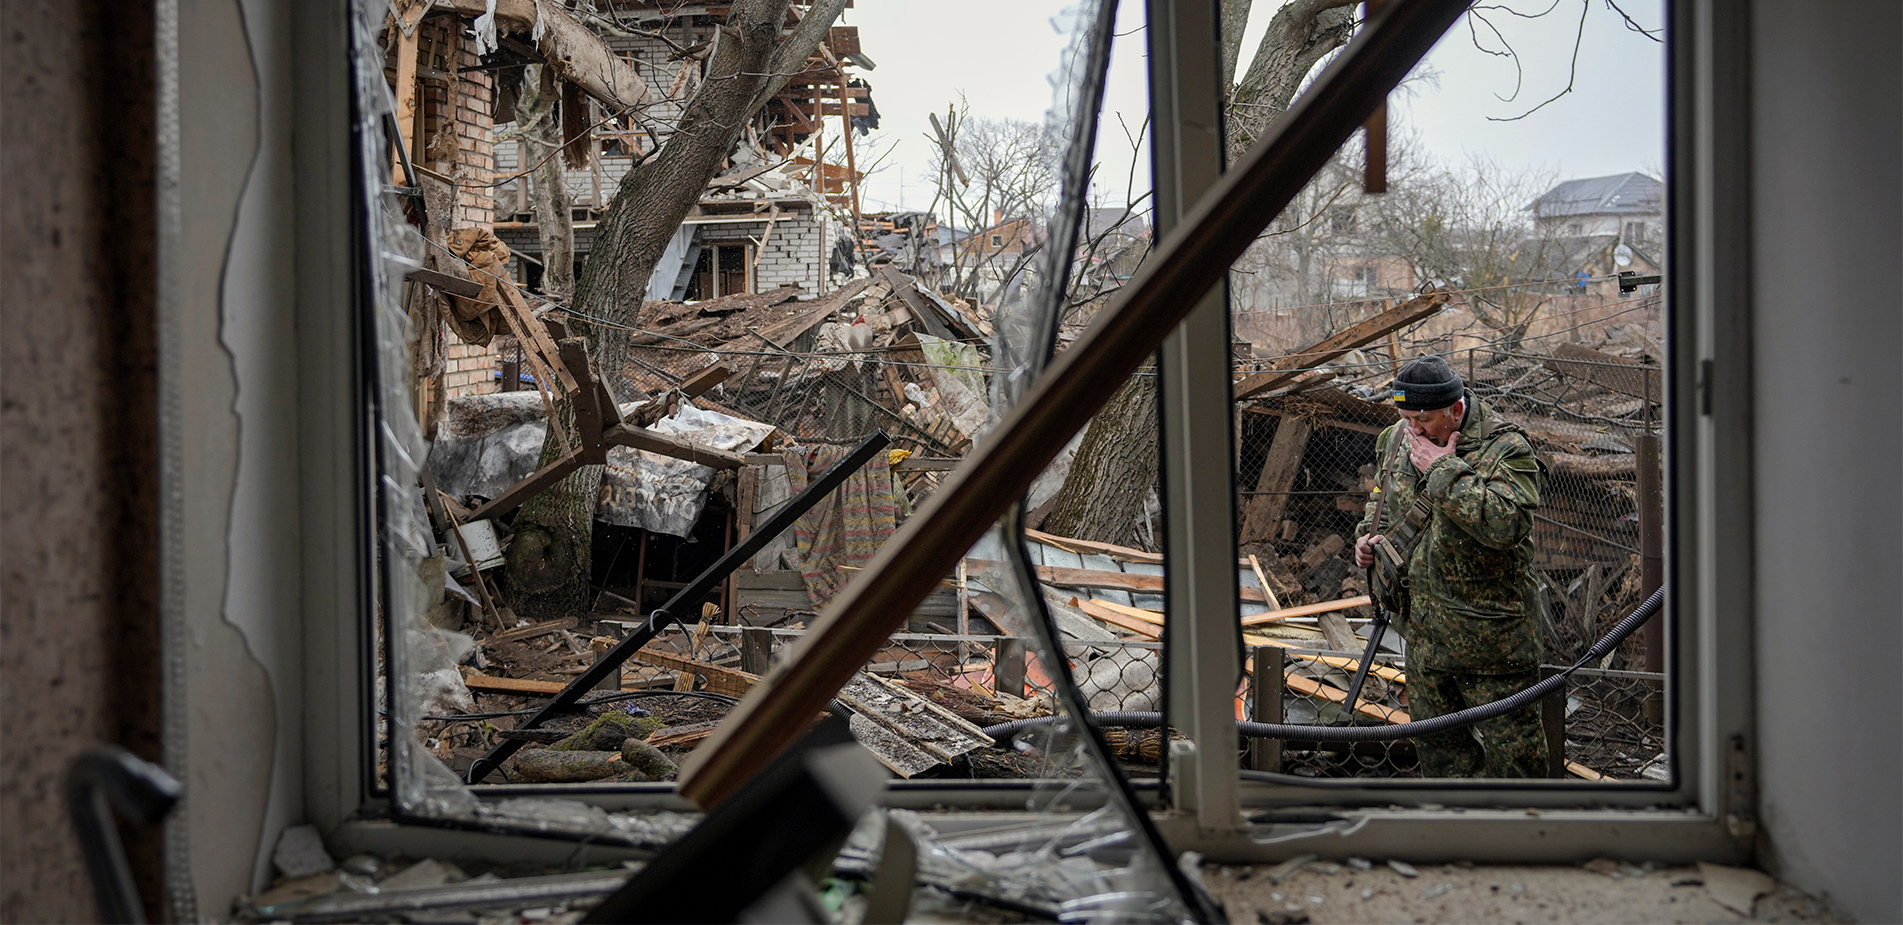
<point x="1399" y="395"/>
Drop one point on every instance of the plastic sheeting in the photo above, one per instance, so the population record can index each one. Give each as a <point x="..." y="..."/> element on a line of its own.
<point x="663" y="494"/>
<point x="486" y="443"/>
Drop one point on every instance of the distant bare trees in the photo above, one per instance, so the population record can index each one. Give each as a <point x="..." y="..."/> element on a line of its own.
<point x="1469" y="228"/>
<point x="989" y="172"/>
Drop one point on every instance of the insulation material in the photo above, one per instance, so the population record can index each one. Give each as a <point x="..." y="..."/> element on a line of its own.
<point x="666" y="495"/>
<point x="486" y="443"/>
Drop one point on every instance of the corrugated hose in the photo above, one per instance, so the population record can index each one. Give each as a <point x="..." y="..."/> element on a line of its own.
<point x="1486" y="711"/>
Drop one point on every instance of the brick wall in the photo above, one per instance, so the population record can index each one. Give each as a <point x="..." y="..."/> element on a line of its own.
<point x="795" y="255"/>
<point x="458" y="140"/>
<point x="475" y="142"/>
<point x="469" y="370"/>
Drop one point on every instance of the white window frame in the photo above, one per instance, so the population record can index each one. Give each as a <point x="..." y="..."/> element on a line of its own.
<point x="1707" y="814"/>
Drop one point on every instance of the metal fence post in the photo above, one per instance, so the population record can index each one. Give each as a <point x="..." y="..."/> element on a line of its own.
<point x="1008" y="668"/>
<point x="1553" y="719"/>
<point x="601" y="646"/>
<point x="1265" y="688"/>
<point x="756" y="649"/>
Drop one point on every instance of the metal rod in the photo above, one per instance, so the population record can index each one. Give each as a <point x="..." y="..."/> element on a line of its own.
<point x="1375" y="631"/>
<point x="1651" y="544"/>
<point x="664" y="616"/>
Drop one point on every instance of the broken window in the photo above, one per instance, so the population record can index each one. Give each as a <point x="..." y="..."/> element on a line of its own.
<point x="748" y="372"/>
<point x="1558" y="367"/>
<point x="722" y="269"/>
<point x="727" y="402"/>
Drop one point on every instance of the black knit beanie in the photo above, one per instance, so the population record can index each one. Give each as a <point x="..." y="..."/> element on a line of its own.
<point x="1427" y="383"/>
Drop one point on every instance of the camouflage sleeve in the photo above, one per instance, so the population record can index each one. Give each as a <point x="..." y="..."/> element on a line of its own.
<point x="1367" y="510"/>
<point x="1491" y="496"/>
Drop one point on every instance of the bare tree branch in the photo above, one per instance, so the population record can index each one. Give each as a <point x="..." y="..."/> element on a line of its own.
<point x="1632" y="25"/>
<point x="1572" y="73"/>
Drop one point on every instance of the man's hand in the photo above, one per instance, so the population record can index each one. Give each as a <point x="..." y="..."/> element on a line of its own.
<point x="1364" y="549"/>
<point x="1423" y="451"/>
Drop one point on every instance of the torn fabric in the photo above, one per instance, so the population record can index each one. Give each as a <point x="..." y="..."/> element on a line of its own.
<point x="846" y="527"/>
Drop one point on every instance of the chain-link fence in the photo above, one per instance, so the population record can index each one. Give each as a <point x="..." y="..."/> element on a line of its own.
<point x="1585" y="386"/>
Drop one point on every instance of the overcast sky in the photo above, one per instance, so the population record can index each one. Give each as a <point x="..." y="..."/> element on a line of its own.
<point x="997" y="54"/>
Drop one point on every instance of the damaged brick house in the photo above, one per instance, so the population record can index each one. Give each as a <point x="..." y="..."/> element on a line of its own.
<point x="771" y="219"/>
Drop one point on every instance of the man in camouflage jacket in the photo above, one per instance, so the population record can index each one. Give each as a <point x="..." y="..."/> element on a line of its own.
<point x="1468" y="482"/>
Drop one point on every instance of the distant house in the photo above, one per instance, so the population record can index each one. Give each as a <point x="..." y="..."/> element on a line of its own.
<point x="1589" y="262"/>
<point x="1628" y="205"/>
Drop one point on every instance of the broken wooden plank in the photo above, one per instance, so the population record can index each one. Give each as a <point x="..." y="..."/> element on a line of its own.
<point x="784" y="332"/>
<point x="918" y="724"/>
<point x="1255" y="565"/>
<point x="1091" y="546"/>
<point x="661" y="444"/>
<point x="1115" y="617"/>
<point x="584" y="402"/>
<point x="532" y="332"/>
<point x="447" y="282"/>
<point x="1101" y="578"/>
<point x="1285" y="369"/>
<point x="1608" y="371"/>
<point x="677" y="736"/>
<point x="1313" y="688"/>
<point x="1349" y="665"/>
<point x="1306" y="610"/>
<point x="693" y="386"/>
<point x="1582" y="772"/>
<point x="697" y="384"/>
<point x="533" y="630"/>
<point x="405" y="88"/>
<point x="514" y="496"/>
<point x="1149" y="623"/>
<point x="1262" y="511"/>
<point x="900" y="757"/>
<point x="902" y="286"/>
<point x="574" y="50"/>
<point x="719" y="680"/>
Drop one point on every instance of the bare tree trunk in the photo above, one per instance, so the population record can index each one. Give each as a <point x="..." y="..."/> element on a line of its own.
<point x="1302" y="33"/>
<point x="747" y="66"/>
<point x="554" y="222"/>
<point x="552" y="549"/>
<point x="552" y="543"/>
<point x="1235" y="19"/>
<point x="1113" y="472"/>
<point x="1115" y="469"/>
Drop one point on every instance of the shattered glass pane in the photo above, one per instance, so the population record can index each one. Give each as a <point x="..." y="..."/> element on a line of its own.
<point x="1081" y="850"/>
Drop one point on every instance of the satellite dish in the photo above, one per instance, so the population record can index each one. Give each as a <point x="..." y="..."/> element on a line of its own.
<point x="1622" y="255"/>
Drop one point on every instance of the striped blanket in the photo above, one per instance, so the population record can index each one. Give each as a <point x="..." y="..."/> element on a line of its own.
<point x="847" y="526"/>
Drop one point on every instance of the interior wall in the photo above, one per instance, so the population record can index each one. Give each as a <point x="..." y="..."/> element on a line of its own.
<point x="1827" y="94"/>
<point x="235" y="268"/>
<point x="79" y="662"/>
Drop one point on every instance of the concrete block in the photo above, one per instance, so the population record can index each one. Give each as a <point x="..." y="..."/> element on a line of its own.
<point x="300" y="852"/>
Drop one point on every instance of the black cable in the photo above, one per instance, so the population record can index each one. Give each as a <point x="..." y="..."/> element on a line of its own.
<point x="1147" y="720"/>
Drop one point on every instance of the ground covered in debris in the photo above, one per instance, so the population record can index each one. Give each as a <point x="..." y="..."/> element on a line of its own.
<point x="1598" y="891"/>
